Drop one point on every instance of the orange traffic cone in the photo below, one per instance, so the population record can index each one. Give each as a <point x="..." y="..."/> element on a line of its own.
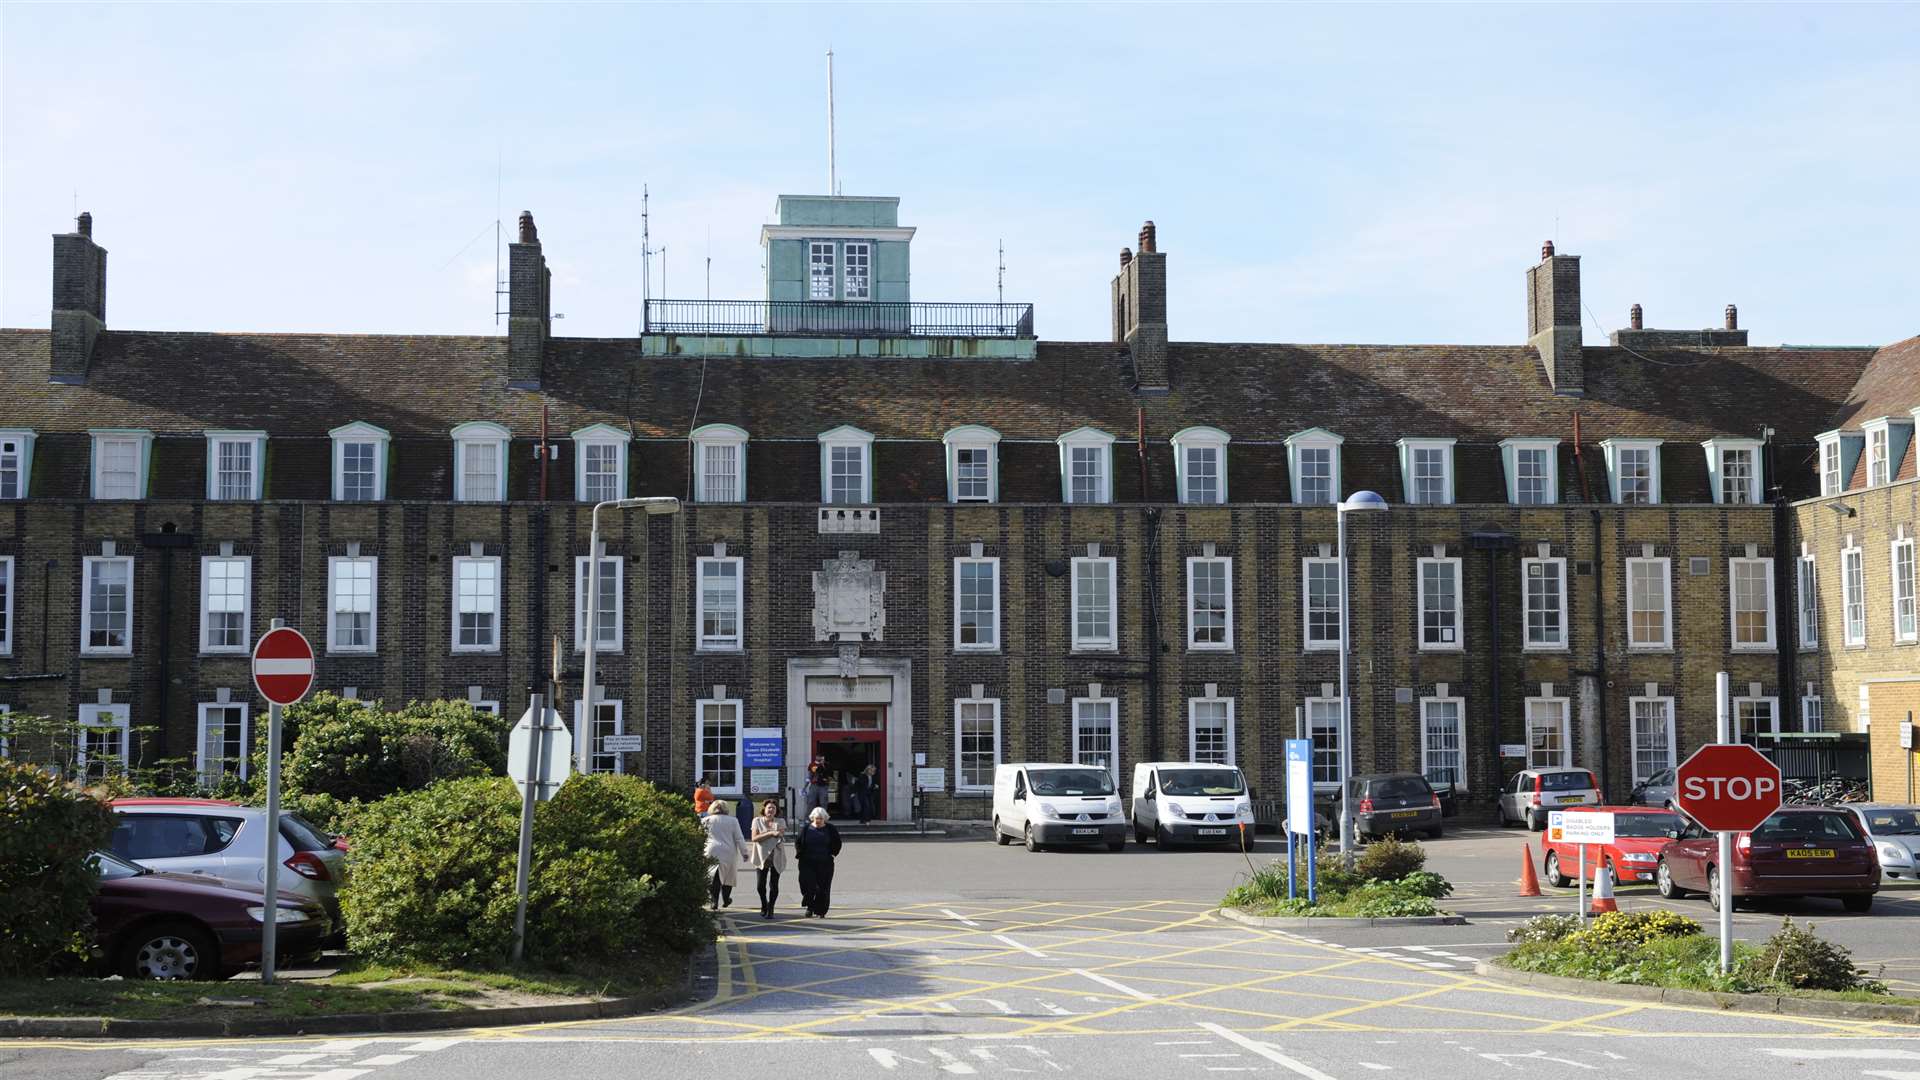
<point x="1529" y="883"/>
<point x="1602" y="892"/>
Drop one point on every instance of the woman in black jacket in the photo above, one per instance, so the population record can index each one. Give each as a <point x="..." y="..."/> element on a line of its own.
<point x="816" y="847"/>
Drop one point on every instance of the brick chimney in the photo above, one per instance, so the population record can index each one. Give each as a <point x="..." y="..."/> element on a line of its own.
<point x="1140" y="311"/>
<point x="529" y="307"/>
<point x="1634" y="317"/>
<point x="79" y="300"/>
<point x="1733" y="317"/>
<point x="1553" y="319"/>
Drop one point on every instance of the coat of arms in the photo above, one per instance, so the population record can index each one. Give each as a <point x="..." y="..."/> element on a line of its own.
<point x="849" y="600"/>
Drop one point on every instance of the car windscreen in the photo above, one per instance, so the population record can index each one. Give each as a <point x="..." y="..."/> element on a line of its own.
<point x="111" y="867"/>
<point x="1201" y="782"/>
<point x="1565" y="781"/>
<point x="1787" y="828"/>
<point x="1903" y="821"/>
<point x="302" y="835"/>
<point x="1398" y="787"/>
<point x="1071" y="781"/>
<point x="1645" y="826"/>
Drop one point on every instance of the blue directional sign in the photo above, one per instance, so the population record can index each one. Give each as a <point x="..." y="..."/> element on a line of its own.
<point x="763" y="748"/>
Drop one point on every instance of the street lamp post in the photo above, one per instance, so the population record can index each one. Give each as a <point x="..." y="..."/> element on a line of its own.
<point x="663" y="504"/>
<point x="1358" y="501"/>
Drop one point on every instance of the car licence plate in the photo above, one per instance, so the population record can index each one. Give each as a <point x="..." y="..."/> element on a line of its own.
<point x="1086" y="832"/>
<point x="1210" y="832"/>
<point x="1811" y="853"/>
<point x="1572" y="798"/>
<point x="1405" y="813"/>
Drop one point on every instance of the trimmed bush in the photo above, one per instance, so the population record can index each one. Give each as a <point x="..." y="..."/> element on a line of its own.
<point x="47" y="830"/>
<point x="1628" y="929"/>
<point x="366" y="753"/>
<point x="1389" y="859"/>
<point x="1793" y="957"/>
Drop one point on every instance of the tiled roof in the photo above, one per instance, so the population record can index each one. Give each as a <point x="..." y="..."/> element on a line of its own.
<point x="1889" y="386"/>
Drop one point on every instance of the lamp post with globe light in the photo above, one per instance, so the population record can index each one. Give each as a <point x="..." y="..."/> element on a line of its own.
<point x="1359" y="501"/>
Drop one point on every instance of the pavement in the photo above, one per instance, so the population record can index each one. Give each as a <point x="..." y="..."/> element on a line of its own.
<point x="961" y="958"/>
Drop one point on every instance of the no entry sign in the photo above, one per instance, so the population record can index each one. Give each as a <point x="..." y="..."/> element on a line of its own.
<point x="1728" y="787"/>
<point x="283" y="666"/>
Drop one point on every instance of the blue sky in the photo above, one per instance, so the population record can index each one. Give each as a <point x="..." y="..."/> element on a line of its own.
<point x="1351" y="173"/>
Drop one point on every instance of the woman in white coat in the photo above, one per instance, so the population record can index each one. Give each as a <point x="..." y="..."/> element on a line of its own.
<point x="725" y="845"/>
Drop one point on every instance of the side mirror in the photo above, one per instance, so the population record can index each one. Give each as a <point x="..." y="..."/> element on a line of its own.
<point x="1019" y="796"/>
<point x="1673" y="834"/>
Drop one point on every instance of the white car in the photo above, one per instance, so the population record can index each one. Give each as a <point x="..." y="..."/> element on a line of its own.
<point x="1895" y="832"/>
<point x="1043" y="803"/>
<point x="224" y="841"/>
<point x="1529" y="796"/>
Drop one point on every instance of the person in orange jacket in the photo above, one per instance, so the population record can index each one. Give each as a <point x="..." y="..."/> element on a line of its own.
<point x="702" y="797"/>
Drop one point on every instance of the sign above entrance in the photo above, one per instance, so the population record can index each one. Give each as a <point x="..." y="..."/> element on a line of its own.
<point x="827" y="690"/>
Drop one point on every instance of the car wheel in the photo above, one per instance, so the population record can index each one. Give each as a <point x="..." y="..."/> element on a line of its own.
<point x="1436" y="832"/>
<point x="1860" y="903"/>
<point x="999" y="837"/>
<point x="1536" y="821"/>
<point x="1663" y="878"/>
<point x="169" y="950"/>
<point x="1554" y="877"/>
<point x="1713" y="889"/>
<point x="1161" y="838"/>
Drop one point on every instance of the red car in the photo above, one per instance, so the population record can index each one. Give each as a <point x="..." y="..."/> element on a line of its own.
<point x="1639" y="832"/>
<point x="1799" y="851"/>
<point x="149" y="925"/>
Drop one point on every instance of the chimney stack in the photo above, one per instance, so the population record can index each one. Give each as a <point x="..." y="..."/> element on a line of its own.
<point x="1633" y="316"/>
<point x="529" y="307"/>
<point x="1733" y="317"/>
<point x="1140" y="312"/>
<point x="79" y="301"/>
<point x="1553" y="319"/>
<point x="1126" y="256"/>
<point x="1147" y="237"/>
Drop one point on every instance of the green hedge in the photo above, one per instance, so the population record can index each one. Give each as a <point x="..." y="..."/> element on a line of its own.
<point x="47" y="830"/>
<point x="354" y="750"/>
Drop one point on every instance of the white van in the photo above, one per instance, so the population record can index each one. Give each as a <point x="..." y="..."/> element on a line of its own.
<point x="1191" y="802"/>
<point x="1043" y="803"/>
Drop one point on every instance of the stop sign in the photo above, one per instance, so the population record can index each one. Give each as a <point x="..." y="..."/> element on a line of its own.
<point x="1728" y="787"/>
<point x="283" y="666"/>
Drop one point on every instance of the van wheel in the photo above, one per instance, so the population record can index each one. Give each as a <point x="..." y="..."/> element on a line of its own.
<point x="999" y="837"/>
<point x="1139" y="833"/>
<point x="1032" y="844"/>
<point x="1117" y="845"/>
<point x="1161" y="838"/>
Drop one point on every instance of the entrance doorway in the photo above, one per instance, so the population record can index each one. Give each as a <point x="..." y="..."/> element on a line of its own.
<point x="850" y="738"/>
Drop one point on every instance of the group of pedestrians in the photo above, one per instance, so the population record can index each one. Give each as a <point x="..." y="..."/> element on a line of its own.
<point x="815" y="849"/>
<point x="860" y="792"/>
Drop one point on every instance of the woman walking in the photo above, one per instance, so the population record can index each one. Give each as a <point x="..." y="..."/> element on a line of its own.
<point x="724" y="847"/>
<point x="816" y="847"/>
<point x="768" y="855"/>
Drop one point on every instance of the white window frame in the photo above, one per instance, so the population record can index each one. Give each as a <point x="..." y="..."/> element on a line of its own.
<point x="1459" y="606"/>
<point x="1717" y="451"/>
<point x="1740" y="734"/>
<point x="86" y="606"/>
<point x="972" y="437"/>
<point x="141" y="443"/>
<point x="256" y="444"/>
<point x="1101" y="443"/>
<point x="1110" y="643"/>
<point x="1193" y="728"/>
<point x="1813" y="713"/>
<point x="1333" y="738"/>
<point x="1665" y="566"/>
<point x="499" y="590"/>
<point x="1879" y="466"/>
<point x="245" y="644"/>
<point x="22" y="454"/>
<point x="583" y="729"/>
<point x="1113" y="732"/>
<point x="1510" y="451"/>
<point x="959" y="743"/>
<point x="1831" y="463"/>
<point x="1314" y="439"/>
<point x="1612" y="449"/>
<point x="708" y="438"/>
<point x="1460" y="737"/>
<point x="1853" y="596"/>
<point x="1561" y="642"/>
<point x="354" y="434"/>
<point x="600" y="435"/>
<point x="618" y="566"/>
<point x="831" y="278"/>
<point x="1306" y="605"/>
<point x="480" y="433"/>
<point x="200" y="762"/>
<point x="1194" y="645"/>
<point x="1633" y="735"/>
<point x="9" y="585"/>
<point x="993" y="564"/>
<point x="6" y="729"/>
<point x="1900" y="553"/>
<point x="735" y="642"/>
<point x="1410" y="450"/>
<point x="1566" y="731"/>
<point x="1808" y="594"/>
<point x="1200" y="439"/>
<point x="848" y="277"/>
<point x="119" y="717"/>
<point x="373" y="605"/>
<point x="1733" y="609"/>
<point x="700" y="725"/>
<point x="843" y="437"/>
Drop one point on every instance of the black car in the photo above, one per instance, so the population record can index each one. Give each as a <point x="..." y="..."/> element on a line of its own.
<point x="1386" y="803"/>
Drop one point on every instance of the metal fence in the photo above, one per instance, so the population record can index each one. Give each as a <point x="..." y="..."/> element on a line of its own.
<point x="1819" y="757"/>
<point x="839" y="318"/>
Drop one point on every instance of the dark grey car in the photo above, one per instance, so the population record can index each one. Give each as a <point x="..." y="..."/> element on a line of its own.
<point x="1395" y="802"/>
<point x="1655" y="790"/>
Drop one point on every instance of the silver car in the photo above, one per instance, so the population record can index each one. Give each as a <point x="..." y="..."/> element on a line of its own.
<point x="1894" y="829"/>
<point x="1655" y="790"/>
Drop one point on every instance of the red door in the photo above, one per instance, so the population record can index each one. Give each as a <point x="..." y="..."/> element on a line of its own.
<point x="850" y="738"/>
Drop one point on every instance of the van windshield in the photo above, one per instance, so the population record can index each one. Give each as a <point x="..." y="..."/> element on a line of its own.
<point x="1201" y="782"/>
<point x="1071" y="781"/>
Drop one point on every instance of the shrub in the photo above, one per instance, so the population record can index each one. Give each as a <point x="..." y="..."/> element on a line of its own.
<point x="47" y="830"/>
<point x="367" y="753"/>
<point x="1627" y="929"/>
<point x="1543" y="928"/>
<point x="1390" y="859"/>
<point x="1387" y="899"/>
<point x="654" y="836"/>
<point x="1425" y="883"/>
<point x="1797" y="959"/>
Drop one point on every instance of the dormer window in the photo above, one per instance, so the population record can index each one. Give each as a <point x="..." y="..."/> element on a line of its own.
<point x="16" y="462"/>
<point x="480" y="463"/>
<point x="235" y="465"/>
<point x="719" y="463"/>
<point x="120" y="462"/>
<point x="1426" y="470"/>
<point x="846" y="474"/>
<point x="973" y="464"/>
<point x="1733" y="467"/>
<point x="820" y="270"/>
<point x="1633" y="470"/>
<point x="1833" y="477"/>
<point x="1882" y="440"/>
<point x="1086" y="466"/>
<point x="1200" y="465"/>
<point x="600" y="463"/>
<point x="1313" y="460"/>
<point x="359" y="462"/>
<point x="1533" y="471"/>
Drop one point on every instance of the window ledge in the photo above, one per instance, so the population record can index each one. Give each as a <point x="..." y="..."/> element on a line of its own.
<point x="1746" y="649"/>
<point x="1547" y="649"/>
<point x="976" y="650"/>
<point x="1443" y="648"/>
<point x="718" y="650"/>
<point x="475" y="650"/>
<point x="105" y="654"/>
<point x="1210" y="648"/>
<point x="353" y="652"/>
<point x="1649" y="649"/>
<point x="1320" y="649"/>
<point x="1093" y="650"/>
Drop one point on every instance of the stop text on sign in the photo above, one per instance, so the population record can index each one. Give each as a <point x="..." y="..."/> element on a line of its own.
<point x="1736" y="788"/>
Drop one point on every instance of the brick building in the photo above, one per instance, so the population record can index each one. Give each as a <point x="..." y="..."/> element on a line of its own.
<point x="915" y="529"/>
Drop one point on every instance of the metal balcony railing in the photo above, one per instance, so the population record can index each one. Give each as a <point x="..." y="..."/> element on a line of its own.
<point x="839" y="318"/>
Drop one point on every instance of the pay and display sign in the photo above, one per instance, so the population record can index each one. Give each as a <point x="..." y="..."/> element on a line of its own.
<point x="1728" y="787"/>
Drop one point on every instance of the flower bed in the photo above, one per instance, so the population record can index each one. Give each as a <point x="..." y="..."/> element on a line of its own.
<point x="1386" y="881"/>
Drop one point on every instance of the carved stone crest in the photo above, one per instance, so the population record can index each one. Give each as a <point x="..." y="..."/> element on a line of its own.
<point x="849" y="661"/>
<point x="849" y="600"/>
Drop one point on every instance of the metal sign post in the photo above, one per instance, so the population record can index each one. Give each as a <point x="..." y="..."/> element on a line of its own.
<point x="270" y="921"/>
<point x="1580" y="828"/>
<point x="1723" y="733"/>
<point x="283" y="673"/>
<point x="530" y="793"/>
<point x="1300" y="815"/>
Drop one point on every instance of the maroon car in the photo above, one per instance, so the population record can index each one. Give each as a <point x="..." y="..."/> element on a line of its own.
<point x="172" y="926"/>
<point x="1799" y="851"/>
